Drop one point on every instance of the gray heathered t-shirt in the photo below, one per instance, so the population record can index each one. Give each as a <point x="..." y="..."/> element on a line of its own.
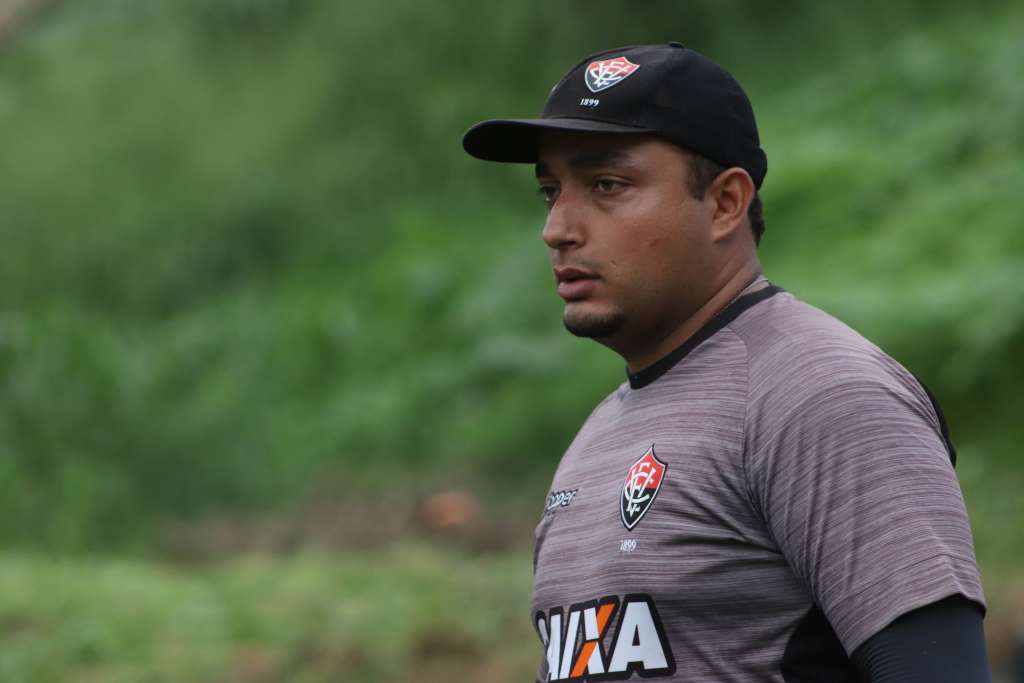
<point x="763" y="506"/>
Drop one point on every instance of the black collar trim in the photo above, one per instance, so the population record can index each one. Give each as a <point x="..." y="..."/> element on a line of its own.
<point x="638" y="380"/>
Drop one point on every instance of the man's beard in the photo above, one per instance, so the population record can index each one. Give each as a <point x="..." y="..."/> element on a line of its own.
<point x="594" y="326"/>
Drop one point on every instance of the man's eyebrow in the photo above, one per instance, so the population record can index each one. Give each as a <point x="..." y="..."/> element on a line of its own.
<point x="586" y="160"/>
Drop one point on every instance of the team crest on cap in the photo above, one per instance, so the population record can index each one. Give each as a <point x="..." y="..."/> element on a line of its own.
<point x="643" y="481"/>
<point x="605" y="73"/>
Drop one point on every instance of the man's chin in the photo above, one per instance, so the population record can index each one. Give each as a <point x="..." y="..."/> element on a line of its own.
<point x="592" y="324"/>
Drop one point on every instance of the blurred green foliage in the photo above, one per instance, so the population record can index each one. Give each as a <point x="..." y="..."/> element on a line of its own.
<point x="245" y="262"/>
<point x="410" y="613"/>
<point x="244" y="253"/>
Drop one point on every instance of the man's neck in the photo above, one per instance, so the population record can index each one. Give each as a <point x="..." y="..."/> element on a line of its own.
<point x="732" y="288"/>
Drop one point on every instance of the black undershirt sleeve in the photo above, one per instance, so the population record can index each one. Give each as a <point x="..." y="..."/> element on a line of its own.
<point x="939" y="643"/>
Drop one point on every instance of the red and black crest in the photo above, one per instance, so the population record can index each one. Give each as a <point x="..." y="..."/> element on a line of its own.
<point x="643" y="481"/>
<point x="605" y="73"/>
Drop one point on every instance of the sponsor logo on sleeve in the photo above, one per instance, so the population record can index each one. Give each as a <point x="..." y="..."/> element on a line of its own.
<point x="605" y="73"/>
<point x="643" y="481"/>
<point x="582" y="646"/>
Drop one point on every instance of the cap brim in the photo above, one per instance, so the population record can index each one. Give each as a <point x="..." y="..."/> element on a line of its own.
<point x="515" y="140"/>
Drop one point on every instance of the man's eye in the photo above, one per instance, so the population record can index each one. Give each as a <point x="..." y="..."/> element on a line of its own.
<point x="607" y="185"/>
<point x="548" y="193"/>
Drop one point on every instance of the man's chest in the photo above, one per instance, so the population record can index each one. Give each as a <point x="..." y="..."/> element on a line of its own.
<point x="650" y="541"/>
<point x="649" y="512"/>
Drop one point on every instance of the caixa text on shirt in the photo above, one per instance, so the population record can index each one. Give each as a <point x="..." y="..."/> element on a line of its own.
<point x="575" y="642"/>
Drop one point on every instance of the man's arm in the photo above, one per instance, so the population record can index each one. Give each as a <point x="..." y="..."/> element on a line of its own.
<point x="856" y="487"/>
<point x="943" y="642"/>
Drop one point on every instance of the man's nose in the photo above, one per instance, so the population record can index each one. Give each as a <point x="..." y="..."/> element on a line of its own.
<point x="562" y="230"/>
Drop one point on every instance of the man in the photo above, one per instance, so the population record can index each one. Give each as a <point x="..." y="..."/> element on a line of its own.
<point x="768" y="497"/>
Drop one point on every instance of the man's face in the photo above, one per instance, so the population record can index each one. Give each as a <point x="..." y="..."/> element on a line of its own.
<point x="630" y="247"/>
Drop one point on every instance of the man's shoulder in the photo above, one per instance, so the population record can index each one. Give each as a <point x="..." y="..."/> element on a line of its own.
<point x="796" y="351"/>
<point x="608" y="407"/>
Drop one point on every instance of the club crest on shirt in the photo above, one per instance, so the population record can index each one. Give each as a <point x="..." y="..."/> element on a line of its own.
<point x="643" y="481"/>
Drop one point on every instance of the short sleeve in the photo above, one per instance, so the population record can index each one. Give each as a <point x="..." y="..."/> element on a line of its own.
<point x="856" y="487"/>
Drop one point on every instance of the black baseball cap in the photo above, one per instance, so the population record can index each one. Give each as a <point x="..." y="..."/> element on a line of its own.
<point x="666" y="90"/>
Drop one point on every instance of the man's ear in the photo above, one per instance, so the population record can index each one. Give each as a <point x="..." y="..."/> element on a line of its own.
<point x="732" y="192"/>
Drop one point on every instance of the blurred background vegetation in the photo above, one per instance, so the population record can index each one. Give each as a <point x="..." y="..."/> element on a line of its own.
<point x="282" y="375"/>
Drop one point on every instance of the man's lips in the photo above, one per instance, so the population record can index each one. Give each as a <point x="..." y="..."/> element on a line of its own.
<point x="574" y="283"/>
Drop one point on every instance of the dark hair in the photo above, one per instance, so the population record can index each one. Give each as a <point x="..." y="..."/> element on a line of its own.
<point x="703" y="172"/>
